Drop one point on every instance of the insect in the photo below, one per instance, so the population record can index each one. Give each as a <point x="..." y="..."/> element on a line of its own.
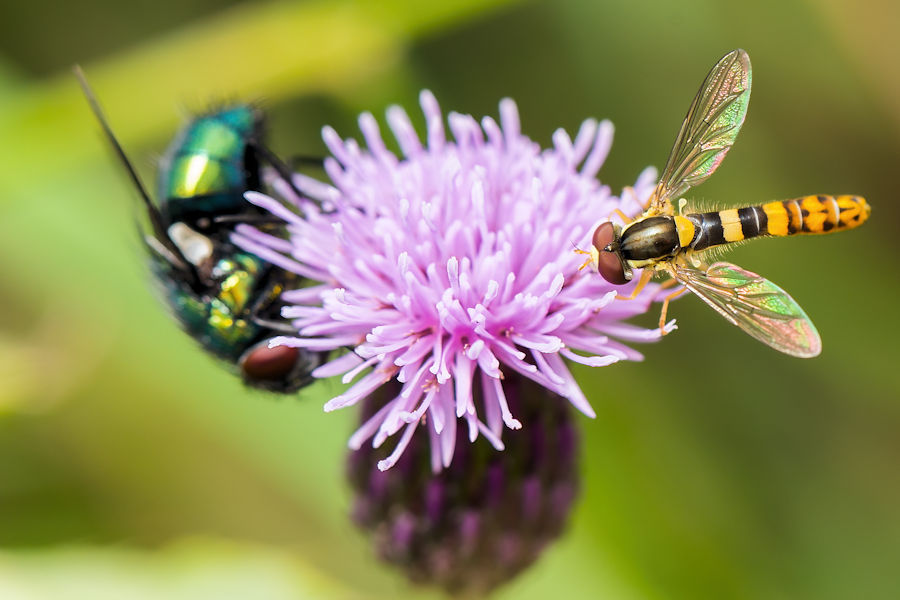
<point x="664" y="240"/>
<point x="223" y="297"/>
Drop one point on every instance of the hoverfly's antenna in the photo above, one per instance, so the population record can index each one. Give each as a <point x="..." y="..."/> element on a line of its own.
<point x="159" y="231"/>
<point x="580" y="251"/>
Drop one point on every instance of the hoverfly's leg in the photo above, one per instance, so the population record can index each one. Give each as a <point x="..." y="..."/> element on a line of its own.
<point x="653" y="204"/>
<point x="625" y="218"/>
<point x="665" y="307"/>
<point x="629" y="194"/>
<point x="667" y="284"/>
<point x="646" y="276"/>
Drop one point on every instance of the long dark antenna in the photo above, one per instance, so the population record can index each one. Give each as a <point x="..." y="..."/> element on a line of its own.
<point x="159" y="230"/>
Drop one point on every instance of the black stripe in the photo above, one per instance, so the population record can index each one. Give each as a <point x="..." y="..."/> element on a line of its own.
<point x="791" y="226"/>
<point x="709" y="231"/>
<point x="753" y="221"/>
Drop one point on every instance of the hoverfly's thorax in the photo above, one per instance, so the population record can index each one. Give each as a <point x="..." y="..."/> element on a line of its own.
<point x="649" y="239"/>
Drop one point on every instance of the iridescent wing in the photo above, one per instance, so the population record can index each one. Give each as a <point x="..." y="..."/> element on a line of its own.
<point x="709" y="129"/>
<point x="755" y="304"/>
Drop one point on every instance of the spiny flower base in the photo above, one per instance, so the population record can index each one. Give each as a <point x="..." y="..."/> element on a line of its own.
<point x="485" y="518"/>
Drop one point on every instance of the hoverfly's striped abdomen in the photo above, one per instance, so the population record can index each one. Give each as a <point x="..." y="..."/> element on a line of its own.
<point x="807" y="215"/>
<point x="815" y="214"/>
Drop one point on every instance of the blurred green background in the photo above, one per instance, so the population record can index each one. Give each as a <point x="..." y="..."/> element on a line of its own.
<point x="133" y="466"/>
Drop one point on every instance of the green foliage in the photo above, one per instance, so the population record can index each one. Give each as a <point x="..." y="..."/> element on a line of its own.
<point x="716" y="469"/>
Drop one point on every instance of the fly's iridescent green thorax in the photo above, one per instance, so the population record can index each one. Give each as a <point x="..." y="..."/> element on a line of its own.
<point x="210" y="164"/>
<point x="227" y="299"/>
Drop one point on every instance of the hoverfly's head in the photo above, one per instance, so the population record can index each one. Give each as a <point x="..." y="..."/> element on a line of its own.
<point x="606" y="256"/>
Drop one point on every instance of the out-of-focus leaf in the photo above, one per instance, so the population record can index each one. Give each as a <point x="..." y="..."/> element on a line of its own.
<point x="190" y="569"/>
<point x="283" y="49"/>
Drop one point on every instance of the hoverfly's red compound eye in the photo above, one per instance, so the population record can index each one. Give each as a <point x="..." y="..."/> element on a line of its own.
<point x="609" y="263"/>
<point x="262" y="363"/>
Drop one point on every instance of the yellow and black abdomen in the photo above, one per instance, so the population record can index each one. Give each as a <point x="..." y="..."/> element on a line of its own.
<point x="807" y="215"/>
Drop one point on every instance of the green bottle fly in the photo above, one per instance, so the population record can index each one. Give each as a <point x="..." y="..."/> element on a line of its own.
<point x="225" y="298"/>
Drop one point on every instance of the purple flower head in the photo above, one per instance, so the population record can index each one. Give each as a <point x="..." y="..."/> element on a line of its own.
<point x="451" y="265"/>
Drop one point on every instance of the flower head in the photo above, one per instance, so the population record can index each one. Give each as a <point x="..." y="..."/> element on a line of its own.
<point x="451" y="265"/>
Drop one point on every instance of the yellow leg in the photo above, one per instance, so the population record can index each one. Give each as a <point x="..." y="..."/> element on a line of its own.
<point x="646" y="275"/>
<point x="588" y="261"/>
<point x="625" y="218"/>
<point x="665" y="308"/>
<point x="667" y="284"/>
<point x="646" y="204"/>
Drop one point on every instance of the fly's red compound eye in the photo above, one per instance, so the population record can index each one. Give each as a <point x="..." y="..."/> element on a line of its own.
<point x="609" y="263"/>
<point x="262" y="363"/>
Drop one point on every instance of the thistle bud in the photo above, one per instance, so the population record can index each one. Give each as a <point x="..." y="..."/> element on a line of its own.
<point x="487" y="516"/>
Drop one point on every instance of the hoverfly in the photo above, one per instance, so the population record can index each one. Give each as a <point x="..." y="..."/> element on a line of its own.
<point x="223" y="297"/>
<point x="664" y="240"/>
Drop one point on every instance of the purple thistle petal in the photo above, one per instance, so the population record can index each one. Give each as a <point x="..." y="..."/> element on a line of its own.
<point x="450" y="265"/>
<point x="337" y="366"/>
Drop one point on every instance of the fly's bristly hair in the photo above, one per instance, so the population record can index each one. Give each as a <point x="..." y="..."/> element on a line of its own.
<point x="188" y="111"/>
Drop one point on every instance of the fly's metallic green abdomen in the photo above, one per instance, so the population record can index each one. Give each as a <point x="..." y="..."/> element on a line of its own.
<point x="218" y="318"/>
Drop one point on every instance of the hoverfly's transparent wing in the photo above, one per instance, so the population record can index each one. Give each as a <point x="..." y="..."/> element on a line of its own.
<point x="755" y="304"/>
<point x="709" y="129"/>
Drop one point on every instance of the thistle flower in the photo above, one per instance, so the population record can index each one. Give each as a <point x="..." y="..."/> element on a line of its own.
<point x="486" y="517"/>
<point x="451" y="266"/>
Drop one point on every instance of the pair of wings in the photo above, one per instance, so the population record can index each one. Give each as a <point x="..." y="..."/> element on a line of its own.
<point x="752" y="303"/>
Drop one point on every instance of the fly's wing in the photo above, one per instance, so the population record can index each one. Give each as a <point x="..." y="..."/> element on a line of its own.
<point x="756" y="305"/>
<point x="709" y="129"/>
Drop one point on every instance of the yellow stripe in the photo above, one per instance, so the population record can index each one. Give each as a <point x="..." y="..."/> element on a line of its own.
<point x="815" y="219"/>
<point x="849" y="201"/>
<point x="731" y="225"/>
<point x="685" y="231"/>
<point x="777" y="218"/>
<point x="855" y="211"/>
